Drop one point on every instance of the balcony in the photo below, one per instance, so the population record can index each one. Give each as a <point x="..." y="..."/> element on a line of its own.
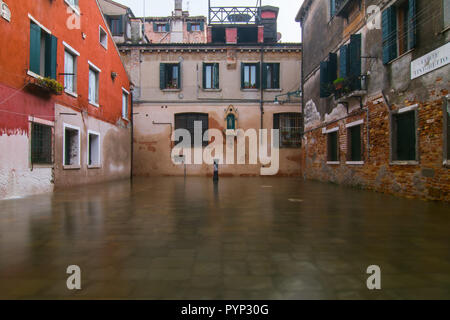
<point x="233" y="15"/>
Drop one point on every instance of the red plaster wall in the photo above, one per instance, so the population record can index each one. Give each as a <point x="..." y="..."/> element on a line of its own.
<point x="14" y="63"/>
<point x="231" y="35"/>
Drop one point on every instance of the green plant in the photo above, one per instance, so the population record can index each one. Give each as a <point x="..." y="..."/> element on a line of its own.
<point x="338" y="81"/>
<point x="51" y="84"/>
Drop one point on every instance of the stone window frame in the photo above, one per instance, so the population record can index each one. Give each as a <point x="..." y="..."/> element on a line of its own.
<point x="392" y="136"/>
<point x="75" y="166"/>
<point x="97" y="165"/>
<point x="75" y="55"/>
<point x="359" y="123"/>
<point x="445" y="105"/>
<point x="327" y="132"/>
<point x="33" y="120"/>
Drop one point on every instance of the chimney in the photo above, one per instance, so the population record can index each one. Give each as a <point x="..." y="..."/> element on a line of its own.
<point x="178" y="8"/>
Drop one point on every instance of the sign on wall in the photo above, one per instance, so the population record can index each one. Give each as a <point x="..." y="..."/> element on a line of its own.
<point x="431" y="61"/>
<point x="4" y="11"/>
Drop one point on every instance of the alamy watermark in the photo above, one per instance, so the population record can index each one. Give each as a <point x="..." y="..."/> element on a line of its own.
<point x="224" y="153"/>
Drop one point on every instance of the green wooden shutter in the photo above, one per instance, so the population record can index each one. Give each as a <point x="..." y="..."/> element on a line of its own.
<point x="332" y="67"/>
<point x="155" y="27"/>
<point x="389" y="30"/>
<point x="35" y="48"/>
<point x="162" y="76"/>
<point x="179" y="75"/>
<point x="51" y="45"/>
<point x="189" y="27"/>
<point x="264" y="77"/>
<point x="324" y="82"/>
<point x="168" y="27"/>
<point x="411" y="24"/>
<point x="355" y="61"/>
<point x="216" y="76"/>
<point x="344" y="62"/>
<point x="204" y="75"/>
<point x="332" y="7"/>
<point x="242" y="75"/>
<point x="202" y="26"/>
<point x="276" y="75"/>
<point x="121" y="22"/>
<point x="258" y="75"/>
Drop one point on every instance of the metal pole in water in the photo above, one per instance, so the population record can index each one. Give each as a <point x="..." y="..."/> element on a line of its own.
<point x="216" y="170"/>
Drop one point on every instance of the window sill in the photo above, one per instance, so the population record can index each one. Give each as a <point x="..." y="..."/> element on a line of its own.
<point x="71" y="167"/>
<point x="333" y="162"/>
<point x="94" y="104"/>
<point x="273" y="90"/>
<point x="355" y="163"/>
<point x="34" y="75"/>
<point x="71" y="93"/>
<point x="76" y="10"/>
<point x="41" y="165"/>
<point x="400" y="56"/>
<point x="404" y="163"/>
<point x="99" y="166"/>
<point x="171" y="90"/>
<point x="249" y="90"/>
<point x="212" y="90"/>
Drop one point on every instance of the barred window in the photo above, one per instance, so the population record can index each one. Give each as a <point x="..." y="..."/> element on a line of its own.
<point x="187" y="121"/>
<point x="290" y="128"/>
<point x="333" y="146"/>
<point x="41" y="144"/>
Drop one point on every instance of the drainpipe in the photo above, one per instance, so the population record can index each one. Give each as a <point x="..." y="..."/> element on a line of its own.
<point x="261" y="101"/>
<point x="132" y="136"/>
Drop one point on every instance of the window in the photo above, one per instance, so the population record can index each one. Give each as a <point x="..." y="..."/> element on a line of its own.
<point x="328" y="73"/>
<point x="354" y="143"/>
<point x="70" y="72"/>
<point x="94" y="73"/>
<point x="115" y="25"/>
<point x="161" y="27"/>
<point x="195" y="27"/>
<point x="250" y="75"/>
<point x="71" y="156"/>
<point x="446" y="10"/>
<point x="271" y="75"/>
<point x="41" y="144"/>
<point x="350" y="66"/>
<point x="210" y="76"/>
<point x="170" y="76"/>
<point x="289" y="125"/>
<point x="231" y="122"/>
<point x="93" y="149"/>
<point x="103" y="38"/>
<point x="125" y="104"/>
<point x="333" y="147"/>
<point x="43" y="51"/>
<point x="187" y="121"/>
<point x="399" y="29"/>
<point x="447" y="130"/>
<point x="404" y="136"/>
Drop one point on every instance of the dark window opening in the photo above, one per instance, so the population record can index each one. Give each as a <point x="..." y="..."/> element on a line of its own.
<point x="187" y="121"/>
<point x="354" y="144"/>
<point x="404" y="136"/>
<point x="247" y="35"/>
<point x="41" y="144"/>
<point x="271" y="75"/>
<point x="333" y="147"/>
<point x="218" y="35"/>
<point x="116" y="25"/>
<point x="447" y="117"/>
<point x="210" y="76"/>
<point x="71" y="147"/>
<point x="94" y="150"/>
<point x="170" y="76"/>
<point x="290" y="127"/>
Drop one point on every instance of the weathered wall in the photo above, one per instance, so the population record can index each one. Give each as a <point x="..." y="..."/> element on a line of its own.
<point x="115" y="150"/>
<point x="389" y="87"/>
<point x="153" y="146"/>
<point x="178" y="33"/>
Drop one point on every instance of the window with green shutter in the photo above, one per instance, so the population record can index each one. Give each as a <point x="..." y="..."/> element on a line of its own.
<point x="328" y="73"/>
<point x="354" y="144"/>
<point x="43" y="52"/>
<point x="231" y="122"/>
<point x="271" y="76"/>
<point x="210" y="76"/>
<point x="355" y="62"/>
<point x="170" y="76"/>
<point x="404" y="136"/>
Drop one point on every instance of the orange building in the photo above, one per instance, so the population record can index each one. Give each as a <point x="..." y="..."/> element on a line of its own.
<point x="64" y="98"/>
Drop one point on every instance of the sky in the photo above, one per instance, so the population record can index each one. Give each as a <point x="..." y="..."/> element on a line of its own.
<point x="289" y="29"/>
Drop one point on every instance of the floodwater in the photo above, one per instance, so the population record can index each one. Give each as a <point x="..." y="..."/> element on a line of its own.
<point x="245" y="238"/>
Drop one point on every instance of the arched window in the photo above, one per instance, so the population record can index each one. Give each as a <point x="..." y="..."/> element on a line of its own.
<point x="231" y="122"/>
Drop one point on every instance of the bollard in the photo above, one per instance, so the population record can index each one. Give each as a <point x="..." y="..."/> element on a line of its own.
<point x="216" y="170"/>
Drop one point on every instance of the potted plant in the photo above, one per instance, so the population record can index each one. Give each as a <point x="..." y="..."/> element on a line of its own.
<point x="48" y="85"/>
<point x="339" y="84"/>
